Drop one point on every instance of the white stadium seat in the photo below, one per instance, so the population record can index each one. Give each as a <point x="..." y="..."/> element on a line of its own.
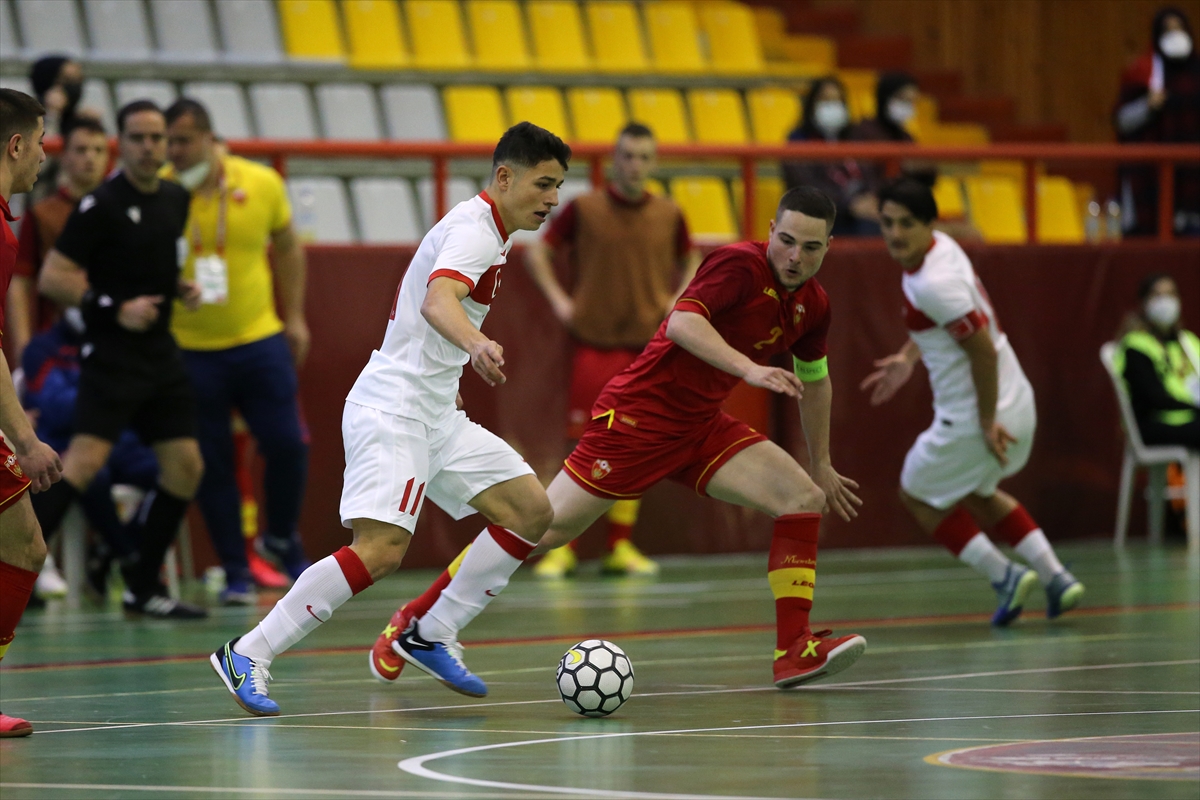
<point x="161" y="92"/>
<point x="184" y="30"/>
<point x="457" y="190"/>
<point x="413" y="113"/>
<point x="249" y="29"/>
<point x="50" y="26"/>
<point x="225" y="105"/>
<point x="98" y="98"/>
<point x="320" y="212"/>
<point x="283" y="111"/>
<point x="18" y="82"/>
<point x="348" y="111"/>
<point x="386" y="209"/>
<point x="118" y="29"/>
<point x="8" y="32"/>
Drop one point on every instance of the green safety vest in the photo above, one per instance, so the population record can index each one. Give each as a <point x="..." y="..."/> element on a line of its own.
<point x="1174" y="361"/>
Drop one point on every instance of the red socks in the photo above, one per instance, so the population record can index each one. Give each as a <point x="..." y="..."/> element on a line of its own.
<point x="956" y="530"/>
<point x="791" y="569"/>
<point x="1016" y="526"/>
<point x="16" y="585"/>
<point x="353" y="569"/>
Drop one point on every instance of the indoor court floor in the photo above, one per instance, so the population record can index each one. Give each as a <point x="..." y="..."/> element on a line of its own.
<point x="1102" y="703"/>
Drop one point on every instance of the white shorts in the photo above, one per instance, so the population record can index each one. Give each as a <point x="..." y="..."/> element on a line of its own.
<point x="394" y="463"/>
<point x="948" y="462"/>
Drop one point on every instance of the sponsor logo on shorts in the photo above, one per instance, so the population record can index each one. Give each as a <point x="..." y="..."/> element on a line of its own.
<point x="600" y="469"/>
<point x="13" y="466"/>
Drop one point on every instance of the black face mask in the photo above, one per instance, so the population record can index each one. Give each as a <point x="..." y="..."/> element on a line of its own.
<point x="73" y="90"/>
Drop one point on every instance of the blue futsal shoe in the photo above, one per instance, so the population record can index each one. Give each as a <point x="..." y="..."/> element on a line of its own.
<point x="1062" y="594"/>
<point x="246" y="679"/>
<point x="444" y="662"/>
<point x="1017" y="584"/>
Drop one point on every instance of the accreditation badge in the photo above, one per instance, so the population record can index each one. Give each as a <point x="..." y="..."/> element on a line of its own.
<point x="212" y="276"/>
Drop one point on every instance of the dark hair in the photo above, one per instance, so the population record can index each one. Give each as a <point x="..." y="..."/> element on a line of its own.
<point x="44" y="74"/>
<point x="187" y="107"/>
<point x="808" y="201"/>
<point x="136" y="107"/>
<point x="913" y="194"/>
<point x="636" y="130"/>
<point x="1146" y="285"/>
<point x="807" y="127"/>
<point x="18" y="114"/>
<point x="526" y="145"/>
<point x="89" y="124"/>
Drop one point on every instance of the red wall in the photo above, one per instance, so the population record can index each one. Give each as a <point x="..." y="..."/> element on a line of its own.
<point x="1058" y="304"/>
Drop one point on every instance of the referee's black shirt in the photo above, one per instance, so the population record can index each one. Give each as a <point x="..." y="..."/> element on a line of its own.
<point x="131" y="244"/>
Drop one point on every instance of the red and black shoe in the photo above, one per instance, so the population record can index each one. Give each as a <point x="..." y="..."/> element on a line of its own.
<point x="814" y="656"/>
<point x="385" y="663"/>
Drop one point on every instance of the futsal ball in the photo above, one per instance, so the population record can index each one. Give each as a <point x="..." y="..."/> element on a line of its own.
<point x="595" y="678"/>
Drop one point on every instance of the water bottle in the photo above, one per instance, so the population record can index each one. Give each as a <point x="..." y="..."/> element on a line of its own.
<point x="305" y="215"/>
<point x="1113" y="228"/>
<point x="1092" y="227"/>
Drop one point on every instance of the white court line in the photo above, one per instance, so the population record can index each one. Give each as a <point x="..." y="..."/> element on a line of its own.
<point x="131" y="787"/>
<point x="416" y="765"/>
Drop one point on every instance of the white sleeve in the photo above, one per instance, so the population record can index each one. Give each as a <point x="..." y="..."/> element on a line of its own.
<point x="467" y="253"/>
<point x="944" y="300"/>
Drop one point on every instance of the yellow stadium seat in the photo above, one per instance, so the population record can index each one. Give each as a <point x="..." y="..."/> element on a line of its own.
<point x="860" y="88"/>
<point x="947" y="191"/>
<point x="498" y="35"/>
<point x="705" y="205"/>
<point x="733" y="46"/>
<point x="616" y="36"/>
<point x="474" y="113"/>
<point x="374" y="34"/>
<point x="662" y="110"/>
<point x="1058" y="218"/>
<point x="655" y="187"/>
<point x="557" y="33"/>
<point x="437" y="34"/>
<point x="818" y="52"/>
<point x="541" y="105"/>
<point x="995" y="203"/>
<point x="597" y="114"/>
<point x="963" y="133"/>
<point x="772" y="32"/>
<point x="310" y="29"/>
<point x="774" y="112"/>
<point x="767" y="191"/>
<point x="717" y="116"/>
<point x="673" y="36"/>
<point x="1008" y="168"/>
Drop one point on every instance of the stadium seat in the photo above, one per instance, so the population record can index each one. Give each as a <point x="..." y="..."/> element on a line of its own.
<point x="311" y="30"/>
<point x="320" y="211"/>
<point x="995" y="204"/>
<point x="705" y="205"/>
<point x="733" y="46"/>
<point x="386" y="209"/>
<point x="774" y="112"/>
<point x="662" y="110"/>
<point x="18" y="82"/>
<point x="948" y="194"/>
<point x="437" y="35"/>
<point x="8" y="32"/>
<point x="772" y="32"/>
<point x="49" y="26"/>
<point x="225" y="105"/>
<point x="348" y="111"/>
<point x="541" y="105"/>
<point x="860" y="91"/>
<point x="767" y="191"/>
<point x="98" y="98"/>
<point x="557" y="33"/>
<point x="717" y="116"/>
<point x="817" y="53"/>
<point x="616" y="36"/>
<point x="597" y="114"/>
<point x="963" y="133"/>
<point x="184" y="30"/>
<point x="458" y="189"/>
<point x="498" y="35"/>
<point x="413" y="113"/>
<point x="374" y="34"/>
<point x="161" y="92"/>
<point x="249" y="30"/>
<point x="673" y="37"/>
<point x="283" y="111"/>
<point x="1058" y="219"/>
<point x="474" y="113"/>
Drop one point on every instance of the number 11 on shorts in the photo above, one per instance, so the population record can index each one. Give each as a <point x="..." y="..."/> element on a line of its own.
<point x="408" y="490"/>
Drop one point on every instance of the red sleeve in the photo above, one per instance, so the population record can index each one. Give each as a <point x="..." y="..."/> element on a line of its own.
<point x="683" y="238"/>
<point x="29" y="260"/>
<point x="812" y="345"/>
<point x="562" y="228"/>
<point x="725" y="279"/>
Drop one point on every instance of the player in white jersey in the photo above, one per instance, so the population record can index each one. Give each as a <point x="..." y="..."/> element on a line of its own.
<point x="406" y="437"/>
<point x="984" y="412"/>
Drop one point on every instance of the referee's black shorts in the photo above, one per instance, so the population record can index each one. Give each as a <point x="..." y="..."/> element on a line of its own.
<point x="153" y="396"/>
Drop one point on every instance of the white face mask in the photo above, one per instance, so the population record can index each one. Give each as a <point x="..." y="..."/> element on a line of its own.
<point x="1163" y="310"/>
<point x="1175" y="45"/>
<point x="74" y="319"/>
<point x="195" y="175"/>
<point x="830" y="116"/>
<point x="900" y="111"/>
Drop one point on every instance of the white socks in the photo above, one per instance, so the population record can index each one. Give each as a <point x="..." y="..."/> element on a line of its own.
<point x="981" y="554"/>
<point x="483" y="574"/>
<point x="1036" y="549"/>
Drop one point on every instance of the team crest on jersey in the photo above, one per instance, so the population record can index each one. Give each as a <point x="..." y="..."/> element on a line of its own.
<point x="798" y="314"/>
<point x="135" y="214"/>
<point x="600" y="469"/>
<point x="13" y="466"/>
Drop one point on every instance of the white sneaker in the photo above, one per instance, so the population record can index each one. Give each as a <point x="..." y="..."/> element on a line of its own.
<point x="50" y="582"/>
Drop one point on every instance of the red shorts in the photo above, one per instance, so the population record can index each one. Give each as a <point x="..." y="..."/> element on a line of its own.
<point x="590" y="371"/>
<point x="617" y="461"/>
<point x="13" y="481"/>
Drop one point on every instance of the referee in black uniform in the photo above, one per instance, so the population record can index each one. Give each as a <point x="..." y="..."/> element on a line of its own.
<point x="119" y="258"/>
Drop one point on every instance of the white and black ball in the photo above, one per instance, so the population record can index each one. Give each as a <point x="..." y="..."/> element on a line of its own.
<point x="595" y="678"/>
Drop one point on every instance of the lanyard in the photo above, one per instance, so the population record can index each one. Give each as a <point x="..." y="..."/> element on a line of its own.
<point x="222" y="213"/>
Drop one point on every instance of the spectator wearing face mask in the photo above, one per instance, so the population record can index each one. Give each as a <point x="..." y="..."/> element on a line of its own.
<point x="58" y="85"/>
<point x="825" y="118"/>
<point x="1160" y="102"/>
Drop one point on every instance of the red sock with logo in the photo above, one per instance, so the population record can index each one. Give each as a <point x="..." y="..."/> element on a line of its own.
<point x="16" y="585"/>
<point x="791" y="570"/>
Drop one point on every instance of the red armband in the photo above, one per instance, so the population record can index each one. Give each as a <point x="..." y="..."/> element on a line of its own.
<point x="965" y="326"/>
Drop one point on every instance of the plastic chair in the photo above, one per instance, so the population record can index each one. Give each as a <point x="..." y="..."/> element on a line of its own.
<point x="97" y="97"/>
<point x="413" y="113"/>
<point x="774" y="112"/>
<point x="996" y="211"/>
<point x="225" y="105"/>
<point x="161" y="92"/>
<point x="498" y="35"/>
<point x="541" y="105"/>
<point x="348" y="111"/>
<point x="948" y="193"/>
<point x="705" y="205"/>
<point x="616" y="36"/>
<point x="597" y="114"/>
<point x="767" y="191"/>
<point x="311" y="30"/>
<point x="437" y="35"/>
<point x="733" y="46"/>
<point x="717" y="116"/>
<point x="184" y="30"/>
<point x="1155" y="459"/>
<point x="249" y="30"/>
<point x="474" y="113"/>
<point x="674" y="37"/>
<point x="283" y="111"/>
<point x="818" y="53"/>
<point x="1058" y="218"/>
<point x="386" y="209"/>
<point x="557" y="33"/>
<point x="458" y="189"/>
<point x="8" y="31"/>
<point x="320" y="210"/>
<point x="118" y="30"/>
<point x="662" y="110"/>
<point x="49" y="26"/>
<point x="375" y="34"/>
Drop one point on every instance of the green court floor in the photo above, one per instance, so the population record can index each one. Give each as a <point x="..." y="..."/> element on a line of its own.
<point x="131" y="709"/>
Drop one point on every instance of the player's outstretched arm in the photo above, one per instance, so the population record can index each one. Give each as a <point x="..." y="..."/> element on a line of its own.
<point x="443" y="310"/>
<point x="815" y="408"/>
<point x="891" y="373"/>
<point x="694" y="333"/>
<point x="37" y="459"/>
<point x="62" y="280"/>
<point x="539" y="261"/>
<point x="985" y="375"/>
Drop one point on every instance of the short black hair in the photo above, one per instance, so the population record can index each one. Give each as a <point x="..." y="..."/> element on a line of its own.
<point x="1146" y="285"/>
<point x="808" y="201"/>
<point x="636" y="130"/>
<point x="136" y="107"/>
<point x="187" y="107"/>
<point x="526" y="145"/>
<point x="18" y="114"/>
<point x="913" y="194"/>
<point x="89" y="124"/>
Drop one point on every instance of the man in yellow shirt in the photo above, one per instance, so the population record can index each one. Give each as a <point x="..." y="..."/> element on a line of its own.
<point x="239" y="352"/>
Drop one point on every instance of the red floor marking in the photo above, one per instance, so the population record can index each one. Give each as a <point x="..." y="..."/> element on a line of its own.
<point x="1148" y="756"/>
<point x="670" y="633"/>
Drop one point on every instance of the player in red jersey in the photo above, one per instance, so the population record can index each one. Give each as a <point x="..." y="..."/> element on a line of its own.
<point x="34" y="464"/>
<point x="661" y="419"/>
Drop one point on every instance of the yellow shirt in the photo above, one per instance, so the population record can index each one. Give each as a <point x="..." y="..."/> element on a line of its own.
<point x="257" y="206"/>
